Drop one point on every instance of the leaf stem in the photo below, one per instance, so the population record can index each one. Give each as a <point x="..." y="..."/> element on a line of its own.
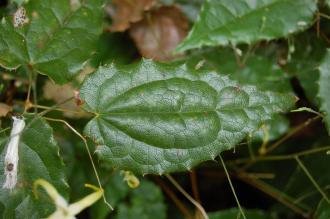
<point x="232" y="187"/>
<point x="283" y="157"/>
<point x="193" y="201"/>
<point x="291" y="133"/>
<point x="272" y="192"/>
<point x="174" y="198"/>
<point x="57" y="109"/>
<point x="89" y="155"/>
<point x="310" y="177"/>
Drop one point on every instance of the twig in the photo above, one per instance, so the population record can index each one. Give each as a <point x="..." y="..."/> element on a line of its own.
<point x="283" y="157"/>
<point x="57" y="109"/>
<point x="184" y="210"/>
<point x="194" y="185"/>
<point x="283" y="198"/>
<point x="310" y="177"/>
<point x="232" y="187"/>
<point x="89" y="155"/>
<point x="193" y="201"/>
<point x="291" y="133"/>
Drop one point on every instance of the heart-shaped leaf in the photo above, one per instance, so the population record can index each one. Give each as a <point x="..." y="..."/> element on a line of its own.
<point x="156" y="118"/>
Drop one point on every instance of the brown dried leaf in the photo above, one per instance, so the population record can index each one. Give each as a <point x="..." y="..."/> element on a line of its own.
<point x="60" y="93"/>
<point x="159" y="33"/>
<point x="125" y="12"/>
<point x="4" y="109"/>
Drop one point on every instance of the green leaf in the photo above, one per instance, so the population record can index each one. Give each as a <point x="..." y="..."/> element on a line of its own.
<point x="327" y="2"/>
<point x="190" y="7"/>
<point x="240" y="21"/>
<point x="309" y="50"/>
<point x="324" y="88"/>
<point x="57" y="40"/>
<point x="38" y="158"/>
<point x="145" y="202"/>
<point x="258" y="70"/>
<point x="235" y="212"/>
<point x="323" y="210"/>
<point x="156" y="118"/>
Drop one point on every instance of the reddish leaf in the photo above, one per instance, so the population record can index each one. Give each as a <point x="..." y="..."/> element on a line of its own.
<point x="158" y="34"/>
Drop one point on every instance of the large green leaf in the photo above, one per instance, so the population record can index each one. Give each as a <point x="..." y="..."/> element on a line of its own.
<point x="240" y="21"/>
<point x="38" y="158"/>
<point x="58" y="39"/>
<point x="324" y="88"/>
<point x="156" y="118"/>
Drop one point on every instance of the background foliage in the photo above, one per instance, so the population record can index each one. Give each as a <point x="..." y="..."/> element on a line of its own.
<point x="161" y="88"/>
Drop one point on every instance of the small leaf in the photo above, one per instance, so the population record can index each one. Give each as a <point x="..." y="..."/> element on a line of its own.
<point x="324" y="88"/>
<point x="156" y="118"/>
<point x="38" y="158"/>
<point x="240" y="21"/>
<point x="56" y="39"/>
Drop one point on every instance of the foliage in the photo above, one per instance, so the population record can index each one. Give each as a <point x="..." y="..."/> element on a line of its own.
<point x="120" y="94"/>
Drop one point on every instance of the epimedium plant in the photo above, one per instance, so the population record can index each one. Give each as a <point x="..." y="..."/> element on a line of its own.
<point x="230" y="81"/>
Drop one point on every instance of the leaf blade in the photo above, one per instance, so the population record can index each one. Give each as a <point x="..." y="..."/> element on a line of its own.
<point x="156" y="118"/>
<point x="58" y="39"/>
<point x="225" y="22"/>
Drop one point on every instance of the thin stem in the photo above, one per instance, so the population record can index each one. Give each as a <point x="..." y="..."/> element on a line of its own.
<point x="272" y="192"/>
<point x="248" y="54"/>
<point x="89" y="155"/>
<point x="184" y="210"/>
<point x="46" y="111"/>
<point x="194" y="185"/>
<point x="283" y="157"/>
<point x="57" y="109"/>
<point x="249" y="144"/>
<point x="5" y="129"/>
<point x="27" y="101"/>
<point x="310" y="177"/>
<point x="323" y="15"/>
<point x="34" y="89"/>
<point x="193" y="201"/>
<point x="291" y="133"/>
<point x="232" y="187"/>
